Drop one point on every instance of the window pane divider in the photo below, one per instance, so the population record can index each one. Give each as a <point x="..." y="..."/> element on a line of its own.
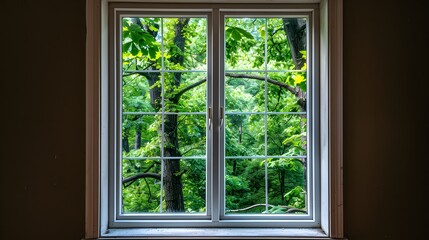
<point x="164" y="113"/>
<point x="165" y="71"/>
<point x="163" y="158"/>
<point x="262" y="157"/>
<point x="266" y="113"/>
<point x="226" y="113"/>
<point x="263" y="71"/>
<point x="204" y="157"/>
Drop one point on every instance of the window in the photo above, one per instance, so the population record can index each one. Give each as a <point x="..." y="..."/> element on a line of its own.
<point x="165" y="100"/>
<point x="211" y="116"/>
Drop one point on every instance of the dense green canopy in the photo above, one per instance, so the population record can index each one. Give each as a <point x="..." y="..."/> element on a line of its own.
<point x="164" y="71"/>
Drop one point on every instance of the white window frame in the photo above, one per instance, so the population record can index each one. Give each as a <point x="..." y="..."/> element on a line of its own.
<point x="331" y="222"/>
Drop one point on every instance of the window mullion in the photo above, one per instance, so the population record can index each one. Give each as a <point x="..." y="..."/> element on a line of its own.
<point x="217" y="101"/>
<point x="265" y="112"/>
<point x="162" y="114"/>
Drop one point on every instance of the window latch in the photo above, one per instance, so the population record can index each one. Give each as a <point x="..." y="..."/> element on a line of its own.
<point x="210" y="117"/>
<point x="221" y="116"/>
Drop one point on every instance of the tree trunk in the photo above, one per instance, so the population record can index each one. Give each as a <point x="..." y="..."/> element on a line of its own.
<point x="173" y="186"/>
<point x="172" y="182"/>
<point x="296" y="33"/>
<point x="155" y="89"/>
<point x="125" y="143"/>
<point x="172" y="174"/>
<point x="234" y="167"/>
<point x="138" y="141"/>
<point x="282" y="183"/>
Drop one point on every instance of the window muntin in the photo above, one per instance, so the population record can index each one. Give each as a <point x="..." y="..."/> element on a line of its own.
<point x="266" y="154"/>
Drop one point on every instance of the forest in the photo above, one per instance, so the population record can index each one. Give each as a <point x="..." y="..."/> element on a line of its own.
<point x="165" y="92"/>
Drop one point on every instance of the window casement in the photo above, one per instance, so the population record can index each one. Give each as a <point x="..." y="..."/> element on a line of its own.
<point x="213" y="119"/>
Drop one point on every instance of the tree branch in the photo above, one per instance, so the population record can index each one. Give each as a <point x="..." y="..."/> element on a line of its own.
<point x="148" y="187"/>
<point x="289" y="209"/>
<point x="193" y="85"/>
<point x="141" y="175"/>
<point x="131" y="181"/>
<point x="301" y="100"/>
<point x="262" y="78"/>
<point x="292" y="90"/>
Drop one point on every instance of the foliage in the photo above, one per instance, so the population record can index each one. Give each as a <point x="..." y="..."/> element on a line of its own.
<point x="152" y="44"/>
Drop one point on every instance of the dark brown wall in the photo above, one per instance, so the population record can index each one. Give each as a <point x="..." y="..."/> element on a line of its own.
<point x="42" y="74"/>
<point x="42" y="77"/>
<point x="386" y="119"/>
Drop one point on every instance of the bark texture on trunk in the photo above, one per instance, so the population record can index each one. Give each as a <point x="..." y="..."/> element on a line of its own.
<point x="138" y="141"/>
<point x="296" y="33"/>
<point x="172" y="182"/>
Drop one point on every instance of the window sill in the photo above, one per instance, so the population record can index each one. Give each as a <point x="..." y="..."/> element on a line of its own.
<point x="213" y="233"/>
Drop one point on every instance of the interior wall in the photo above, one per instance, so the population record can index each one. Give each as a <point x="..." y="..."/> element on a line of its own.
<point x="385" y="119"/>
<point x="42" y="72"/>
<point x="42" y="77"/>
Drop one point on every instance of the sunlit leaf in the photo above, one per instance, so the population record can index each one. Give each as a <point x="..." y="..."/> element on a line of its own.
<point x="298" y="79"/>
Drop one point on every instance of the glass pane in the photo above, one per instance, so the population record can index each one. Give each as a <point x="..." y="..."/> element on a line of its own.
<point x="140" y="136"/>
<point x="141" y="186"/>
<point x="287" y="92"/>
<point x="185" y="43"/>
<point x="244" y="135"/>
<point x="286" y="43"/>
<point x="137" y="91"/>
<point x="141" y="44"/>
<point x="185" y="92"/>
<point x="244" y="43"/>
<point x="287" y="135"/>
<point x="184" y="186"/>
<point x="286" y="186"/>
<point x="155" y="58"/>
<point x="244" y="92"/>
<point x="191" y="135"/>
<point x="244" y="186"/>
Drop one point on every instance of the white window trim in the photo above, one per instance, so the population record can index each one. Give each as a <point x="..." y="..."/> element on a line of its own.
<point x="215" y="217"/>
<point x="331" y="144"/>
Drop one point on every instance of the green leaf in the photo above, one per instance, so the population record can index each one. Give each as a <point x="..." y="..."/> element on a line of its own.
<point x="134" y="49"/>
<point x="245" y="33"/>
<point x="126" y="46"/>
<point x="126" y="33"/>
<point x="235" y="35"/>
<point x="304" y="54"/>
<point x="148" y="38"/>
<point x="303" y="86"/>
<point x="144" y="51"/>
<point x="151" y="27"/>
<point x="125" y="22"/>
<point x="298" y="78"/>
<point x="152" y="53"/>
<point x="134" y="28"/>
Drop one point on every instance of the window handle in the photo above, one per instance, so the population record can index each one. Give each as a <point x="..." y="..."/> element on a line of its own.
<point x="221" y="116"/>
<point x="210" y="117"/>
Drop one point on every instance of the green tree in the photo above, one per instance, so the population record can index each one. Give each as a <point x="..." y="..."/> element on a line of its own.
<point x="184" y="48"/>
